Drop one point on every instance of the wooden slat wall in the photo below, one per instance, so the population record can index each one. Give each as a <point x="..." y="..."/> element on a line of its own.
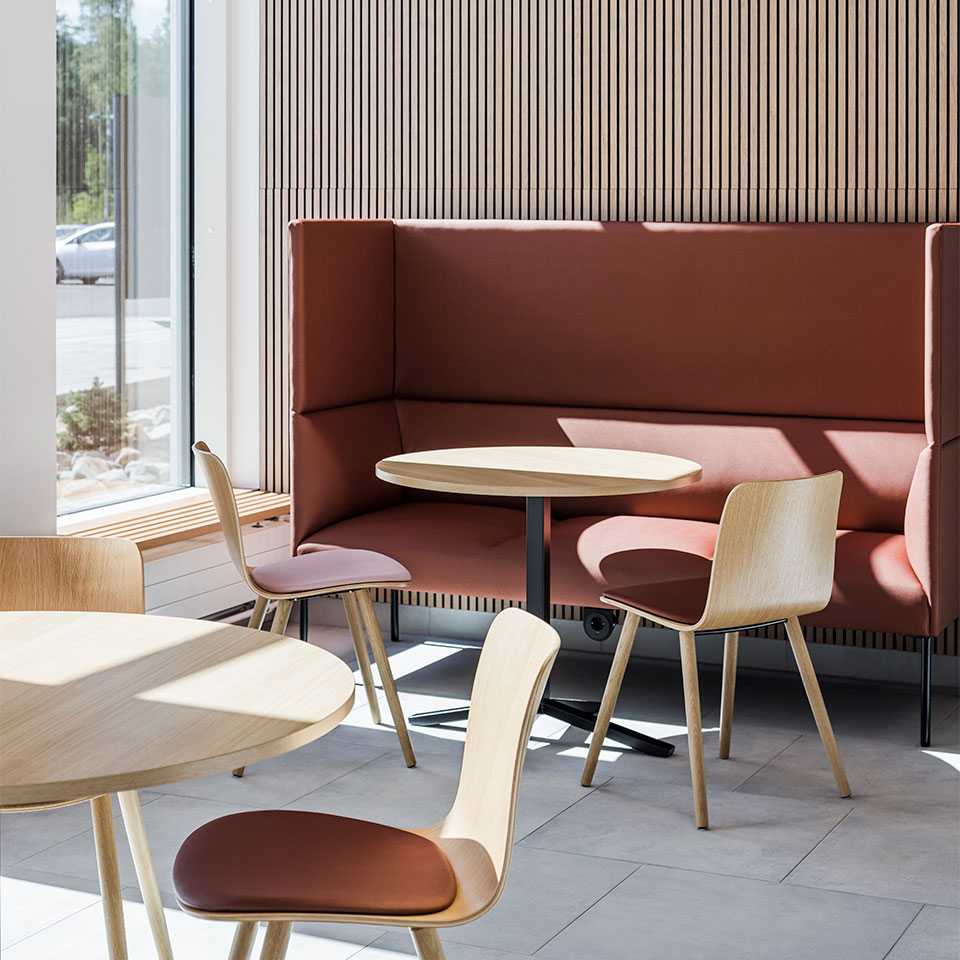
<point x="698" y="110"/>
<point x="722" y="110"/>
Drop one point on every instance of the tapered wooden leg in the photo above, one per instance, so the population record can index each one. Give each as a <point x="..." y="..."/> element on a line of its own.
<point x="386" y="675"/>
<point x="611" y="692"/>
<point x="243" y="938"/>
<point x="281" y="616"/>
<point x="427" y="942"/>
<point x="363" y="658"/>
<point x="257" y="614"/>
<point x="730" y="643"/>
<point x="143" y="863"/>
<point x="810" y="683"/>
<point x="107" y="867"/>
<point x="691" y="701"/>
<point x="276" y="941"/>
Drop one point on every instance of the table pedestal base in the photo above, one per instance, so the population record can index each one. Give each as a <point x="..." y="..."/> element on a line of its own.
<point x="581" y="714"/>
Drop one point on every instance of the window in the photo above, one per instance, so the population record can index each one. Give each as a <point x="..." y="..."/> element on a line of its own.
<point x="122" y="263"/>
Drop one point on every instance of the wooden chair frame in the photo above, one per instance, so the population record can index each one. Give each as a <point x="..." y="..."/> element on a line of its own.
<point x="356" y="597"/>
<point x="66" y="573"/>
<point x="773" y="563"/>
<point x="477" y="834"/>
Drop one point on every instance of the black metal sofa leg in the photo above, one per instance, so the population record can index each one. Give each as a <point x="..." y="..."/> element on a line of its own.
<point x="926" y="690"/>
<point x="394" y="616"/>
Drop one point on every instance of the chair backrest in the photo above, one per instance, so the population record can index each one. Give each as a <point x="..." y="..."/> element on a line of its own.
<point x="518" y="654"/>
<point x="70" y="573"/>
<point x="775" y="551"/>
<point x="221" y="492"/>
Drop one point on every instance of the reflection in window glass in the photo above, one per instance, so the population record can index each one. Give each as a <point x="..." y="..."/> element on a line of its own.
<point x="121" y="266"/>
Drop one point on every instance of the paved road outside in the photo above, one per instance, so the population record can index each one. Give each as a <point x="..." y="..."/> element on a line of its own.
<point x="86" y="337"/>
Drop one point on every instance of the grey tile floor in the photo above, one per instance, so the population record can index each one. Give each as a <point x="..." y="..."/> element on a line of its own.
<point x="789" y="870"/>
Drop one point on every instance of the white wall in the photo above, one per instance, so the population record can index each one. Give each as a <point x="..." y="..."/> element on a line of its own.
<point x="27" y="289"/>
<point x="227" y="172"/>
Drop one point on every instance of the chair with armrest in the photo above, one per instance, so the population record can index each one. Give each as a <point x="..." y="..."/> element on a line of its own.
<point x="336" y="570"/>
<point x="99" y="575"/>
<point x="286" y="866"/>
<point x="773" y="563"/>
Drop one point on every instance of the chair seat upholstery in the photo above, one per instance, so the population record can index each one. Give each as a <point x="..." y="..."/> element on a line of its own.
<point x="478" y="550"/>
<point x="328" y="569"/>
<point x="291" y="861"/>
<point x="680" y="601"/>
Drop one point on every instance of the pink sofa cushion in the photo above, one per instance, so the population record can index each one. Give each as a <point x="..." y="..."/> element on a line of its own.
<point x="878" y="459"/>
<point x="478" y="550"/>
<point x="795" y="319"/>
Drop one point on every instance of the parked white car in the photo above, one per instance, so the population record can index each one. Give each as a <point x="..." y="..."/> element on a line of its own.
<point x="86" y="255"/>
<point x="65" y="229"/>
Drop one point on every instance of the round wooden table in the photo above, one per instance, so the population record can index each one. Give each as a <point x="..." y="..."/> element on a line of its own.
<point x="93" y="704"/>
<point x="538" y="474"/>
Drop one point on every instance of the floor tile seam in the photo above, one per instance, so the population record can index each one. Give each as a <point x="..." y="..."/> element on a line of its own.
<point x="872" y="896"/>
<point x="96" y="905"/>
<point x="816" y="846"/>
<point x="589" y="907"/>
<point x="772" y="759"/>
<point x="346" y="773"/>
<point x="903" y="932"/>
<point x="587" y="793"/>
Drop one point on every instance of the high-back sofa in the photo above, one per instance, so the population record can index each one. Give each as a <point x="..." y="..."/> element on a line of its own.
<point x="760" y="351"/>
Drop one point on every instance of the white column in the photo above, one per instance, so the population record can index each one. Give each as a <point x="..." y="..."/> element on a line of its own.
<point x="28" y="460"/>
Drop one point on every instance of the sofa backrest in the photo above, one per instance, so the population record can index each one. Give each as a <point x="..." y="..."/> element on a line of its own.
<point x="763" y="351"/>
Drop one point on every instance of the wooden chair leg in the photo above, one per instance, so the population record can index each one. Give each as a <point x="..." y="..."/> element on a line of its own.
<point x="810" y="683"/>
<point x="386" y="675"/>
<point x="691" y="701"/>
<point x="281" y="616"/>
<point x="427" y="942"/>
<point x="109" y="871"/>
<point x="731" y="641"/>
<point x="276" y="941"/>
<point x="143" y="863"/>
<point x="611" y="692"/>
<point x="257" y="614"/>
<point x="243" y="938"/>
<point x="363" y="658"/>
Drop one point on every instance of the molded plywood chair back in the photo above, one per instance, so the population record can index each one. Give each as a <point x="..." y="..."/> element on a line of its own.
<point x="775" y="550"/>
<point x="475" y="839"/>
<point x="70" y="573"/>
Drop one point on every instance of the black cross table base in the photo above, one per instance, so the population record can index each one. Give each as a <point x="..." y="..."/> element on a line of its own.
<point x="578" y="713"/>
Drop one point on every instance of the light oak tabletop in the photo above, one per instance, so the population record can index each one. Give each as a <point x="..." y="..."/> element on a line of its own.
<point x="94" y="703"/>
<point x="538" y="471"/>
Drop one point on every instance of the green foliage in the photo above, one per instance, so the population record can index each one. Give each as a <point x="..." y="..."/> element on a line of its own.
<point x="92" y="419"/>
<point x="100" y="57"/>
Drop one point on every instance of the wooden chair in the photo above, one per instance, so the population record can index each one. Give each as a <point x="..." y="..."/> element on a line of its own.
<point x="69" y="573"/>
<point x="285" y="866"/>
<point x="333" y="570"/>
<point x="773" y="563"/>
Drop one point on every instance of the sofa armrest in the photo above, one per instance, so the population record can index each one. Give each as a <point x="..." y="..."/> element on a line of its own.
<point x="932" y="531"/>
<point x="341" y="312"/>
<point x="942" y="333"/>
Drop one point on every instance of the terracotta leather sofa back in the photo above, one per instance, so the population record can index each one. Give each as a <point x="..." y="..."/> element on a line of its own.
<point x="761" y="351"/>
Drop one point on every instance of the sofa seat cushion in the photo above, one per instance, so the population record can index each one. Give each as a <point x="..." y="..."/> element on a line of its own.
<point x="294" y="861"/>
<point x="447" y="547"/>
<point x="478" y="550"/>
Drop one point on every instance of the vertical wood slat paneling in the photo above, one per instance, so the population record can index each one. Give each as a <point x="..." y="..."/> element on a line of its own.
<point x="703" y="110"/>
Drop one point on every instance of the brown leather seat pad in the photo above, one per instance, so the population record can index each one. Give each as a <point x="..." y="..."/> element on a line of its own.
<point x="291" y="861"/>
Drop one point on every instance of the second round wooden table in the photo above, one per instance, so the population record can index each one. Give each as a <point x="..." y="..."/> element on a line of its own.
<point x="93" y="704"/>
<point x="539" y="474"/>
